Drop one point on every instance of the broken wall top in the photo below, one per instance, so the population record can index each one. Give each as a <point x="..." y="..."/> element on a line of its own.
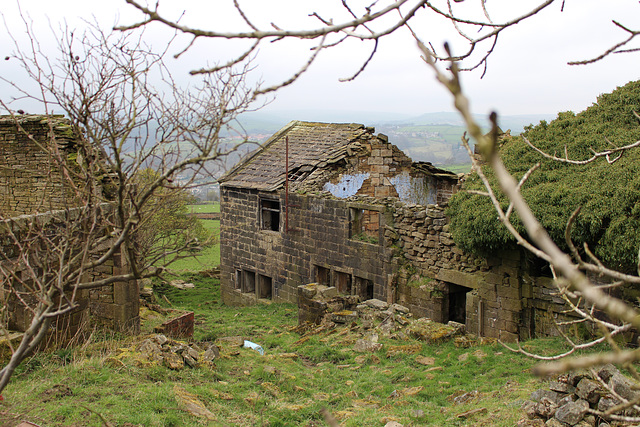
<point x="38" y="127"/>
<point x="36" y="153"/>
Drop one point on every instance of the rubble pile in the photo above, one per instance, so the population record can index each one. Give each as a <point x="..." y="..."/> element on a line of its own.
<point x="176" y="355"/>
<point x="582" y="399"/>
<point x="318" y="304"/>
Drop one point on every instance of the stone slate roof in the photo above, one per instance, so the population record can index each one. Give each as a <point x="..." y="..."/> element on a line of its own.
<point x="311" y="145"/>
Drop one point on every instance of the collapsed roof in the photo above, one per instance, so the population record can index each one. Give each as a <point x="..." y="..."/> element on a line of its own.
<point x="311" y="146"/>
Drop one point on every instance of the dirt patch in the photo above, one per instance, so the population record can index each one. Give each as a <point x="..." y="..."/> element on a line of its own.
<point x="56" y="392"/>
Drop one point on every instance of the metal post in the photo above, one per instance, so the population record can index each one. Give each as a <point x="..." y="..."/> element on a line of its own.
<point x="286" y="186"/>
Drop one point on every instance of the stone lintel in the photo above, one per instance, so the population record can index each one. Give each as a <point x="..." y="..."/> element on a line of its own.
<point x="469" y="280"/>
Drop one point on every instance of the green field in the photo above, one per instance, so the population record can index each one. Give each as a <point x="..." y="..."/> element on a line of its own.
<point x="209" y="257"/>
<point x="464" y="168"/>
<point x="205" y="208"/>
<point x="109" y="381"/>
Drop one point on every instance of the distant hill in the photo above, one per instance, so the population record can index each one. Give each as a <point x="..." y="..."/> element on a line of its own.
<point x="431" y="137"/>
<point x="260" y="122"/>
<point x="516" y="122"/>
<point x="283" y="117"/>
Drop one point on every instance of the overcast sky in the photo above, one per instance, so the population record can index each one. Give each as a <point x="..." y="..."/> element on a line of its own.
<point x="527" y="73"/>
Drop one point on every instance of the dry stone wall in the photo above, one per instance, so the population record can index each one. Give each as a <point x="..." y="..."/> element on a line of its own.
<point x="33" y="190"/>
<point x="30" y="180"/>
<point x="500" y="296"/>
<point x="114" y="306"/>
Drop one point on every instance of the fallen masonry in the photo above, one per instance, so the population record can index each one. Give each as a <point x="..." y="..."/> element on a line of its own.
<point x="178" y="327"/>
<point x="582" y="399"/>
<point x="321" y="308"/>
<point x="176" y="355"/>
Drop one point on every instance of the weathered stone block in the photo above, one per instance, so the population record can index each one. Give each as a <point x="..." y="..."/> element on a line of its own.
<point x="572" y="412"/>
<point x="508" y="292"/>
<point x="510" y="304"/>
<point x="179" y="327"/>
<point x="540" y="394"/>
<point x="458" y="278"/>
<point x="588" y="390"/>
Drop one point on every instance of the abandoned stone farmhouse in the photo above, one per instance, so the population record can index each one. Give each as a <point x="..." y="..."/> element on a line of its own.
<point x="333" y="204"/>
<point x="337" y="205"/>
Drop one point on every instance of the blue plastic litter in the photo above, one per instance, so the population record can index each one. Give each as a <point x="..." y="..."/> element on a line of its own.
<point x="256" y="347"/>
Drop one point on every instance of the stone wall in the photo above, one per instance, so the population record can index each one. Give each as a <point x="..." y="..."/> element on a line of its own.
<point x="497" y="296"/>
<point x="317" y="247"/>
<point x="30" y="180"/>
<point x="113" y="306"/>
<point x="33" y="191"/>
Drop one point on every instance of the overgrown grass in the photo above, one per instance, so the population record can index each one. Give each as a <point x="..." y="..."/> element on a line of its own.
<point x="286" y="387"/>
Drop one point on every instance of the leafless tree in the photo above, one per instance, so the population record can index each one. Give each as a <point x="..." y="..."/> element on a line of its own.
<point x="139" y="144"/>
<point x="380" y="19"/>
<point x="471" y="21"/>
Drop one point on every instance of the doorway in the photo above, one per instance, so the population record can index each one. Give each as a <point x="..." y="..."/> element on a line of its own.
<point x="458" y="303"/>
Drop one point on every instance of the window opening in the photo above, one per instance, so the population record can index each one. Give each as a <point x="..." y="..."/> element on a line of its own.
<point x="342" y="282"/>
<point x="265" y="287"/>
<point x="364" y="225"/>
<point x="248" y="281"/>
<point x="270" y="214"/>
<point x="323" y="276"/>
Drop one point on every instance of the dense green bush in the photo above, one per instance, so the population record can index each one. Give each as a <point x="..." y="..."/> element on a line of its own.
<point x="608" y="193"/>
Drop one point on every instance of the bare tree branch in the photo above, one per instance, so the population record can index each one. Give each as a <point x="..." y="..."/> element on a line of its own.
<point x="596" y="155"/>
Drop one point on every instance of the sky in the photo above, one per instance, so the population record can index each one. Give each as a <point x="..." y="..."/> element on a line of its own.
<point x="527" y="73"/>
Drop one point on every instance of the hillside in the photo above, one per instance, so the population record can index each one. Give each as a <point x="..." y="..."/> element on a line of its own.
<point x="432" y="137"/>
<point x="117" y="381"/>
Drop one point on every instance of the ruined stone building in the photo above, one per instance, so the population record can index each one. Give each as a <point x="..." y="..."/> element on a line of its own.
<point x="336" y="204"/>
<point x="33" y="191"/>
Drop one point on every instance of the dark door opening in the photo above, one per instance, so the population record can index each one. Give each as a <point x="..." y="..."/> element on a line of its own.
<point x="265" y="287"/>
<point x="458" y="303"/>
<point x="364" y="288"/>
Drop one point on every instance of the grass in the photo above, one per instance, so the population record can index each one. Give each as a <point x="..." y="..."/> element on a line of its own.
<point x="287" y="386"/>
<point x="463" y="168"/>
<point x="205" y="208"/>
<point x="208" y="258"/>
